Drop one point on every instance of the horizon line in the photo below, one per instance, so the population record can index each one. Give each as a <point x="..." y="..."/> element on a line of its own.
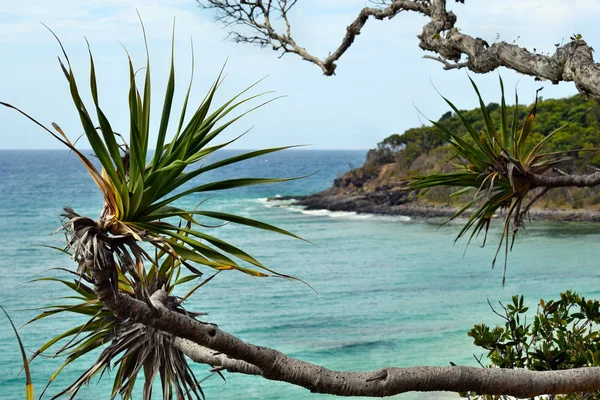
<point x="240" y="149"/>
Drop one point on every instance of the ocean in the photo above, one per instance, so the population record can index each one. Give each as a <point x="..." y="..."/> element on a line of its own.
<point x="389" y="291"/>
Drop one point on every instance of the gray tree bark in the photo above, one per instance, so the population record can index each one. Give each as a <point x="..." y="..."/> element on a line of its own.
<point x="207" y="343"/>
<point x="550" y="182"/>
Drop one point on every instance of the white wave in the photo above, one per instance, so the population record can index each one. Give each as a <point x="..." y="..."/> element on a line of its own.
<point x="396" y="218"/>
<point x="295" y="208"/>
<point x="273" y="202"/>
<point x="349" y="215"/>
<point x="291" y="206"/>
<point x="332" y="214"/>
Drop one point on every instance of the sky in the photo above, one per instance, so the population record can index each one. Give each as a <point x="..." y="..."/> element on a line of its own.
<point x="382" y="84"/>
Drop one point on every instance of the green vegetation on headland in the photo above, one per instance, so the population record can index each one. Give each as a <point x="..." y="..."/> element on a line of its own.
<point x="419" y="151"/>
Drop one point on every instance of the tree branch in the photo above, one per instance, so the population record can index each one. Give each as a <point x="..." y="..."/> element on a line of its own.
<point x="546" y="181"/>
<point x="356" y="26"/>
<point x="242" y="12"/>
<point x="271" y="364"/>
<point x="274" y="365"/>
<point x="204" y="355"/>
<point x="447" y="65"/>
<point x="572" y="62"/>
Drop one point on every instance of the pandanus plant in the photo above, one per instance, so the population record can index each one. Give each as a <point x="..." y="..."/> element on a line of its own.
<point x="496" y="163"/>
<point x="140" y="213"/>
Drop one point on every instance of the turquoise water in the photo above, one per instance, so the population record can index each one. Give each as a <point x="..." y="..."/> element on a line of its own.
<point x="392" y="291"/>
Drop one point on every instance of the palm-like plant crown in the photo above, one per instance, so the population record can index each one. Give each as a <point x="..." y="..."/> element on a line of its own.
<point x="495" y="163"/>
<point x="139" y="206"/>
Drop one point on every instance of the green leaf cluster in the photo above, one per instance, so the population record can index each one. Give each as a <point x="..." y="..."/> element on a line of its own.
<point x="563" y="335"/>
<point x="493" y="164"/>
<point x="140" y="196"/>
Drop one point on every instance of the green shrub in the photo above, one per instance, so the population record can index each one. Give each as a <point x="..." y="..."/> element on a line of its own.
<point x="563" y="335"/>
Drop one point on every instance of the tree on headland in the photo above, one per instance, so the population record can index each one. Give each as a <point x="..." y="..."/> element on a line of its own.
<point x="129" y="293"/>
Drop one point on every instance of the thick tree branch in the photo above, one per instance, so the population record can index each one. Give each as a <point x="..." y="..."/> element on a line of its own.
<point x="95" y="248"/>
<point x="385" y="382"/>
<point x="572" y="62"/>
<point x="550" y="182"/>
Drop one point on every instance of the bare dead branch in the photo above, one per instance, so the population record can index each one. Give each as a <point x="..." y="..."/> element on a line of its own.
<point x="571" y="62"/>
<point x="447" y="65"/>
<point x="242" y="12"/>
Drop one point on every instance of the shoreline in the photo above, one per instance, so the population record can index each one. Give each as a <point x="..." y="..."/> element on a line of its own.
<point x="388" y="204"/>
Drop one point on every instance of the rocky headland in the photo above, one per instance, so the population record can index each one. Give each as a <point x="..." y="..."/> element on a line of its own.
<point x="379" y="185"/>
<point x="380" y="193"/>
